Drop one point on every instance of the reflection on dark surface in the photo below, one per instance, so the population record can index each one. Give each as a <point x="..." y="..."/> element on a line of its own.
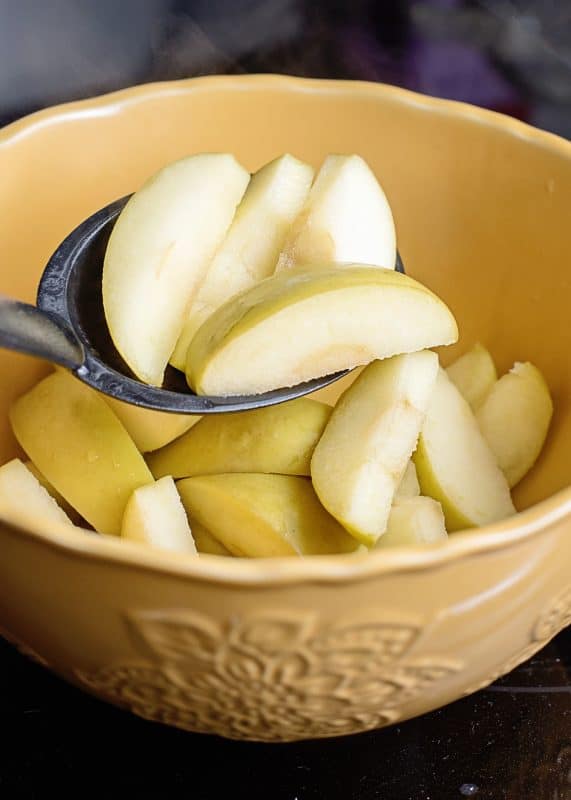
<point x="509" y="742"/>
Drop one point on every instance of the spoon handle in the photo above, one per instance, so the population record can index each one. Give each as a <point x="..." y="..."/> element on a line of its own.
<point x="28" y="330"/>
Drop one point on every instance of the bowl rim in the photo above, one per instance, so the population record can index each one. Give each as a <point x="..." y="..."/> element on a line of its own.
<point x="283" y="571"/>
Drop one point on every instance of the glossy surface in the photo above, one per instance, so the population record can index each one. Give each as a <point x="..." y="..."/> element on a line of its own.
<point x="427" y="614"/>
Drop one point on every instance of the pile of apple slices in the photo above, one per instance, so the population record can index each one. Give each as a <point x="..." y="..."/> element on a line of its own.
<point x="235" y="280"/>
<point x="409" y="452"/>
<point x="249" y="284"/>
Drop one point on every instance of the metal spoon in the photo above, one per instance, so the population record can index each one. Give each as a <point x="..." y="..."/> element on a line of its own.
<point x="68" y="327"/>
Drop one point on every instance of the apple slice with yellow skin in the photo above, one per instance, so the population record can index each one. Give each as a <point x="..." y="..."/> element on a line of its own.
<point x="361" y="458"/>
<point x="346" y="219"/>
<point x="206" y="543"/>
<point x="154" y="515"/>
<point x="409" y="485"/>
<point x="21" y="491"/>
<point x="158" y="252"/>
<point x="151" y="430"/>
<point x="474" y="375"/>
<point x="263" y="516"/>
<point x="82" y="449"/>
<point x="274" y="197"/>
<point x="52" y="491"/>
<point x="515" y="419"/>
<point x="300" y="325"/>
<point x="455" y="465"/>
<point x="275" y="439"/>
<point x="414" y="521"/>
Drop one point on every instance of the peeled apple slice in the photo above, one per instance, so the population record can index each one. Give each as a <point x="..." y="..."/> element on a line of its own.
<point x="346" y="219"/>
<point x="414" y="521"/>
<point x="515" y="418"/>
<point x="249" y="253"/>
<point x="300" y="325"/>
<point x="409" y="486"/>
<point x="20" y="491"/>
<point x="149" y="429"/>
<point x="79" y="445"/>
<point x="362" y="456"/>
<point x="155" y="515"/>
<point x="263" y="515"/>
<point x="158" y="253"/>
<point x="455" y="465"/>
<point x="474" y="375"/>
<point x="275" y="439"/>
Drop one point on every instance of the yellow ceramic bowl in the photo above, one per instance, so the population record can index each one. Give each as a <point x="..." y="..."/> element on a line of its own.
<point x="292" y="649"/>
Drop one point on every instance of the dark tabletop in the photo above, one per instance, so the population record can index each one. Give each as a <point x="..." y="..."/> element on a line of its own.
<point x="511" y="741"/>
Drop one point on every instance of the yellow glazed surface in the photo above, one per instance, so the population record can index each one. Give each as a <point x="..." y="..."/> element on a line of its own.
<point x="329" y="645"/>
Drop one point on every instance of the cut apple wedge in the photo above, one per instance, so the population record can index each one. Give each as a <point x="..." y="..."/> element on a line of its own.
<point x="205" y="542"/>
<point x="249" y="253"/>
<point x="264" y="515"/>
<point x="300" y="325"/>
<point x="414" y="521"/>
<point x="474" y="374"/>
<point x="150" y="430"/>
<point x="455" y="465"/>
<point x="77" y="442"/>
<point x="409" y="485"/>
<point x="362" y="456"/>
<point x="158" y="253"/>
<point x="515" y="418"/>
<point x="331" y="394"/>
<point x="68" y="510"/>
<point x="346" y="219"/>
<point x="276" y="439"/>
<point x="155" y="515"/>
<point x="20" y="491"/>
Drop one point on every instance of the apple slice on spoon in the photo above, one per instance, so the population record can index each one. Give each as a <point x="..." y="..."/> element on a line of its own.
<point x="300" y="325"/>
<point x="346" y="219"/>
<point x="252" y="245"/>
<point x="158" y="252"/>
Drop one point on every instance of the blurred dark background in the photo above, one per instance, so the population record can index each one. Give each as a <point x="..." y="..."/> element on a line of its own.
<point x="509" y="55"/>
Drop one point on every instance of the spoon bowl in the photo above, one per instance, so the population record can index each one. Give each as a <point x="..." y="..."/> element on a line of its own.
<point x="68" y="327"/>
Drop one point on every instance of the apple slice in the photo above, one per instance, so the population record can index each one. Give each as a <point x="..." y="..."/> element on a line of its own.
<point x="346" y="219"/>
<point x="205" y="542"/>
<point x="515" y="418"/>
<point x="61" y="501"/>
<point x="263" y="515"/>
<point x="300" y="325"/>
<point x="158" y="252"/>
<point x="155" y="515"/>
<point x="414" y="521"/>
<point x="331" y="394"/>
<point x="20" y="491"/>
<point x="409" y="485"/>
<point x="474" y="374"/>
<point x="251" y="248"/>
<point x="362" y="456"/>
<point x="278" y="439"/>
<point x="150" y="430"/>
<point x="455" y="465"/>
<point x="77" y="442"/>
